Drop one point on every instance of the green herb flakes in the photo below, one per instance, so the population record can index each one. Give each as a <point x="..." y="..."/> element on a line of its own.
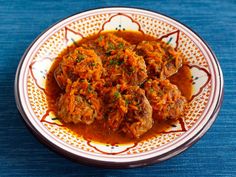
<point x="151" y="90"/>
<point x="80" y="57"/>
<point x="117" y="95"/>
<point x="127" y="102"/>
<point x="120" y="46"/>
<point x="89" y="88"/>
<point x="100" y="38"/>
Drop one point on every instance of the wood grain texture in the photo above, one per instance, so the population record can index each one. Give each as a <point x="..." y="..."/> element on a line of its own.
<point x="21" y="154"/>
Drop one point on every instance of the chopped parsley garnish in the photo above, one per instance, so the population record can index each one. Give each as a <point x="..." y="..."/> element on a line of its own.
<point x="151" y="90"/>
<point x="120" y="62"/>
<point x="117" y="95"/>
<point x="100" y="38"/>
<point x="115" y="62"/>
<point x="89" y="88"/>
<point x="80" y="57"/>
<point x="93" y="64"/>
<point x="112" y="62"/>
<point x="170" y="58"/>
<point x="127" y="102"/>
<point x="110" y="47"/>
<point x="120" y="46"/>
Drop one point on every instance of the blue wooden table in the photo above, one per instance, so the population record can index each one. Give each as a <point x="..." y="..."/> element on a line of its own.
<point x="21" y="154"/>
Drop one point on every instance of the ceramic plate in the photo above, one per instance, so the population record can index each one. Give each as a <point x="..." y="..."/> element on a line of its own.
<point x="207" y="81"/>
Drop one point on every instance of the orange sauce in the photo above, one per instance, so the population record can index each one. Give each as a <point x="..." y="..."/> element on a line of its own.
<point x="183" y="80"/>
<point x="98" y="131"/>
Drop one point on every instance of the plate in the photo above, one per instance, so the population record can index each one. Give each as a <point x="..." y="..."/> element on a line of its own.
<point x="207" y="81"/>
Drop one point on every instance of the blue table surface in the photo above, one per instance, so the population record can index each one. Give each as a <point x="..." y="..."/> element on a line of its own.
<point x="21" y="154"/>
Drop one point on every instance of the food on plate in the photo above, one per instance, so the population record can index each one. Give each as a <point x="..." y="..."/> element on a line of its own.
<point x="161" y="59"/>
<point x="165" y="98"/>
<point x="128" y="110"/>
<point x="80" y="63"/>
<point x="79" y="103"/>
<point x="118" y="85"/>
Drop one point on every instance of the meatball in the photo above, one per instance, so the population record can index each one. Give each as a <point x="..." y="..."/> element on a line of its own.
<point x="165" y="98"/>
<point x="138" y="119"/>
<point x="128" y="110"/>
<point x="75" y="109"/>
<point x="79" y="64"/>
<point x="161" y="59"/>
<point x="125" y="66"/>
<point x="116" y="107"/>
<point x="79" y="103"/>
